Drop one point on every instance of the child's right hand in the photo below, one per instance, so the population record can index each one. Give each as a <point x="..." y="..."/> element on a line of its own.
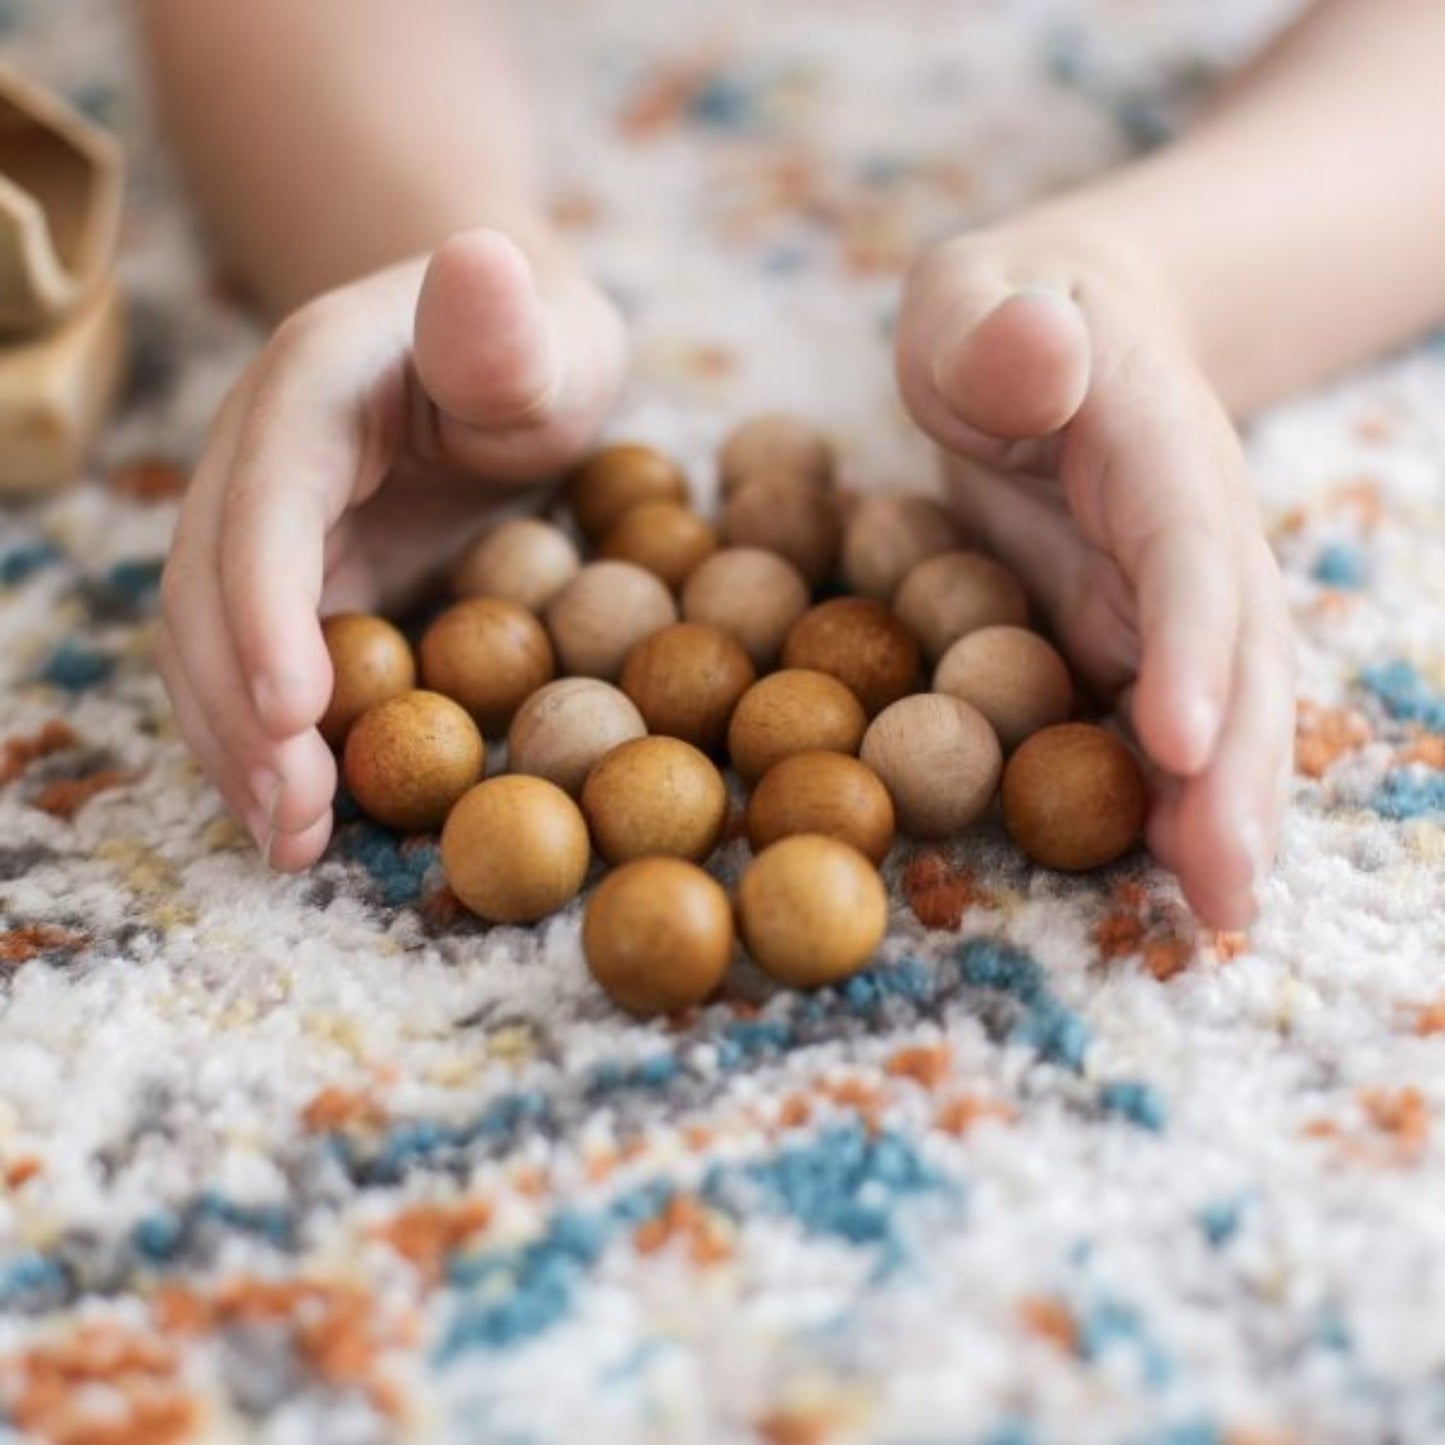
<point x="372" y="428"/>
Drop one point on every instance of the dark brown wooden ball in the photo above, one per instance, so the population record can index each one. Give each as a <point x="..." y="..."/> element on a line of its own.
<point x="515" y="849"/>
<point x="658" y="935"/>
<point x="800" y="524"/>
<point x="822" y="792"/>
<point x="370" y="662"/>
<point x="488" y="655"/>
<point x="655" y="796"/>
<point x="410" y="758"/>
<point x="811" y="910"/>
<point x="686" y="680"/>
<point x="792" y="711"/>
<point x="666" y="538"/>
<point x="1074" y="797"/>
<point x="861" y="643"/>
<point x="774" y="447"/>
<point x="619" y="477"/>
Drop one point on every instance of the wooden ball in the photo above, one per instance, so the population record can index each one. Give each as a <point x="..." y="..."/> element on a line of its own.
<point x="861" y="643"/>
<point x="370" y="662"/>
<point x="523" y="560"/>
<point x="658" y="935"/>
<point x="616" y="478"/>
<point x="603" y="613"/>
<point x="793" y="711"/>
<point x="565" y="727"/>
<point x="666" y="538"/>
<point x="409" y="759"/>
<point x="752" y="594"/>
<point x="948" y="596"/>
<point x="938" y="758"/>
<point x="799" y="524"/>
<point x="827" y="793"/>
<point x="515" y="849"/>
<point x="888" y="535"/>
<point x="775" y="446"/>
<point x="1074" y="797"/>
<point x="1012" y="676"/>
<point x="811" y="910"/>
<point x="655" y="796"/>
<point x="686" y="680"/>
<point x="488" y="655"/>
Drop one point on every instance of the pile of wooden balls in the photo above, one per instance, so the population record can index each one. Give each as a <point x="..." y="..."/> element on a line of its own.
<point x="622" y="682"/>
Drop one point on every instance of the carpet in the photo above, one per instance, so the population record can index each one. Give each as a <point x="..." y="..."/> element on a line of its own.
<point x="313" y="1158"/>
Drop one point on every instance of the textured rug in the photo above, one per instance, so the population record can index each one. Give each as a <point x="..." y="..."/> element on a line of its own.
<point x="313" y="1159"/>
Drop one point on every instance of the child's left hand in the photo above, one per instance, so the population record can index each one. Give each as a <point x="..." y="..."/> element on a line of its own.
<point x="1089" y="450"/>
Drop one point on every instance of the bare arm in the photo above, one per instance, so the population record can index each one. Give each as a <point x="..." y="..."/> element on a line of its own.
<point x="329" y="138"/>
<point x="1297" y="227"/>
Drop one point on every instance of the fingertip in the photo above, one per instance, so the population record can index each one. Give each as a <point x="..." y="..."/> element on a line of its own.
<point x="1022" y="370"/>
<point x="1177" y="722"/>
<point x="294" y="852"/>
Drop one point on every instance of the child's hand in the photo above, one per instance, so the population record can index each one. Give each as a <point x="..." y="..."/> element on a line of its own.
<point x="369" y="431"/>
<point x="1089" y="450"/>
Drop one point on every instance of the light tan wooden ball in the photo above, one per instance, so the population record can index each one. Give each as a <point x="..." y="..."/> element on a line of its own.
<point x="1074" y="797"/>
<point x="409" y="758"/>
<point x="565" y="727"/>
<point x="753" y="594"/>
<point x="658" y="935"/>
<point x="800" y="524"/>
<point x="861" y="643"/>
<point x="686" y="680"/>
<point x="666" y="538"/>
<point x="523" y="560"/>
<point x="821" y="792"/>
<point x="1012" y="676"/>
<point x="939" y="759"/>
<point x="603" y="613"/>
<point x="488" y="655"/>
<point x="655" y="796"/>
<point x="370" y="662"/>
<point x="774" y="446"/>
<point x="793" y="711"/>
<point x="619" y="477"/>
<point x="890" y="533"/>
<point x="515" y="849"/>
<point x="811" y="910"/>
<point x="948" y="596"/>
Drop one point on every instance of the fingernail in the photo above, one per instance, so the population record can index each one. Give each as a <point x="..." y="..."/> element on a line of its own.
<point x="948" y="357"/>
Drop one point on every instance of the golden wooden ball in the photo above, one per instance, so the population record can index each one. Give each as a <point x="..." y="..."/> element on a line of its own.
<point x="1074" y="797"/>
<point x="939" y="759"/>
<point x="686" y="680"/>
<point x="409" y="758"/>
<point x="619" y="477"/>
<point x="515" y="849"/>
<point x="565" y="727"/>
<point x="522" y="560"/>
<point x="370" y="662"/>
<point x="658" y="935"/>
<point x="667" y="538"/>
<point x="954" y="593"/>
<point x="793" y="711"/>
<point x="890" y="533"/>
<point x="1012" y="676"/>
<point x="488" y="655"/>
<point x="811" y="910"/>
<point x="800" y="524"/>
<point x="655" y="796"/>
<point x="603" y="613"/>
<point x="752" y="594"/>
<point x="822" y="792"/>
<point x="861" y="643"/>
<point x="776" y="447"/>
